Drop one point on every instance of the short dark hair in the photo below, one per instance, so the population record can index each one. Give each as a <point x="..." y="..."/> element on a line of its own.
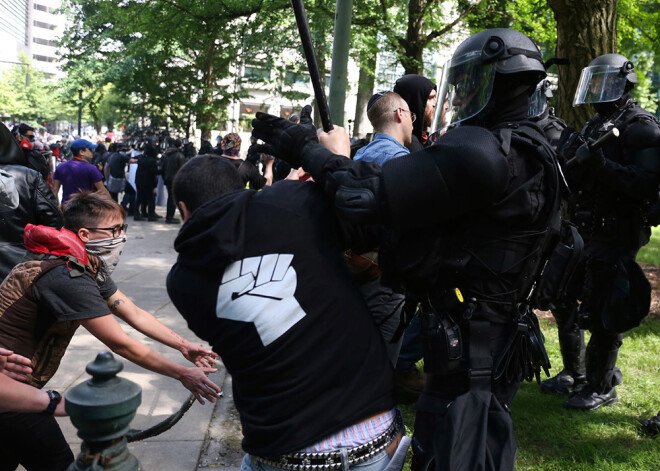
<point x="87" y="208"/>
<point x="203" y="178"/>
<point x="23" y="128"/>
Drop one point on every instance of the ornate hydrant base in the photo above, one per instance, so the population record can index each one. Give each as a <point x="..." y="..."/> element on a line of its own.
<point x="109" y="457"/>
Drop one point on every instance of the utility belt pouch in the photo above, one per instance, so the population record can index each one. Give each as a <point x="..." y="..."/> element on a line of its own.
<point x="442" y="342"/>
<point x="559" y="267"/>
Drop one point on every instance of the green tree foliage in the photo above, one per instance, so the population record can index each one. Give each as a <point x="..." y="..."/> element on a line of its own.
<point x="167" y="56"/>
<point x="27" y="96"/>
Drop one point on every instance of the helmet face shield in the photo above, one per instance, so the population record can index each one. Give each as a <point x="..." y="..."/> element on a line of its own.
<point x="600" y="84"/>
<point x="465" y="88"/>
<point x="538" y="102"/>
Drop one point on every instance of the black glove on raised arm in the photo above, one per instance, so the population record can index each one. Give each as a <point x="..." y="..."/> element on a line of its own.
<point x="284" y="139"/>
<point x="590" y="158"/>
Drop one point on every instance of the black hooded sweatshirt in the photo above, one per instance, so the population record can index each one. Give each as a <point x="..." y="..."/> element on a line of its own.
<point x="415" y="90"/>
<point x="278" y="303"/>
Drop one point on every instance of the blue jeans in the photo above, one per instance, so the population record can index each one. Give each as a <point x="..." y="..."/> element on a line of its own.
<point x="377" y="463"/>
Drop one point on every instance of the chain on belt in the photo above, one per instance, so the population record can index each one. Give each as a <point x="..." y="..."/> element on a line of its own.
<point x="331" y="460"/>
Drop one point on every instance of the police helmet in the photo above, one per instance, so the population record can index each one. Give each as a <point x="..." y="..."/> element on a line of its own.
<point x="605" y="79"/>
<point x="538" y="102"/>
<point x="468" y="77"/>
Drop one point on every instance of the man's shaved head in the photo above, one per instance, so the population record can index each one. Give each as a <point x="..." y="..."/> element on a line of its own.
<point x="381" y="113"/>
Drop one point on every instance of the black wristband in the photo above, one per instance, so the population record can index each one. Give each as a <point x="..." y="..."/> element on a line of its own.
<point x="55" y="399"/>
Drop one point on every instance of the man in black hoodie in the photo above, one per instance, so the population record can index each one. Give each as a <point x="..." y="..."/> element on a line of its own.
<point x="421" y="95"/>
<point x="275" y="300"/>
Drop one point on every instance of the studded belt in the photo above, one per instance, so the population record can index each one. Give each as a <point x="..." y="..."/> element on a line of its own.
<point x="331" y="460"/>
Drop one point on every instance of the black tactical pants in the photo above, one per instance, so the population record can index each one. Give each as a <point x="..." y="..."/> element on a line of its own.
<point x="436" y="444"/>
<point x="592" y="284"/>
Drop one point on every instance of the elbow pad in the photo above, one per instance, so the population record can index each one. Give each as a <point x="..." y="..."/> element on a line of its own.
<point x="357" y="196"/>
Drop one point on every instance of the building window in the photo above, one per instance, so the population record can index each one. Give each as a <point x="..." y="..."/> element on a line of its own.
<point x="14" y="19"/>
<point x="297" y="78"/>
<point x="256" y="74"/>
<point x="41" y="24"/>
<point x="45" y="42"/>
<point x="44" y="58"/>
<point x="43" y="8"/>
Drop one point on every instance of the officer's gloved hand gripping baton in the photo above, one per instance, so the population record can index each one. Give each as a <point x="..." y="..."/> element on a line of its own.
<point x="283" y="138"/>
<point x="596" y="145"/>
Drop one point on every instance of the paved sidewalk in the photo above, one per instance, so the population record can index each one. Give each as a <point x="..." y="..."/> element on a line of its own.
<point x="208" y="436"/>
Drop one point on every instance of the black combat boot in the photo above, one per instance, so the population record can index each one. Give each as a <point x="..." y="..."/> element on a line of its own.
<point x="571" y="344"/>
<point x="602" y="377"/>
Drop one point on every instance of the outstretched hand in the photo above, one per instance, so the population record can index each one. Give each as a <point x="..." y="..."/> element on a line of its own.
<point x="283" y="138"/>
<point x="195" y="380"/>
<point x="200" y="356"/>
<point x="14" y="365"/>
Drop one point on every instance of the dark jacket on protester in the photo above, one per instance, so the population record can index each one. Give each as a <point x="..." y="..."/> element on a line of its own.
<point x="37" y="205"/>
<point x="415" y="90"/>
<point x="147" y="171"/>
<point x="37" y="161"/>
<point x="172" y="160"/>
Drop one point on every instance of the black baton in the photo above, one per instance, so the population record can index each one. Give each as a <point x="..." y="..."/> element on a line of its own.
<point x="597" y="144"/>
<point x="306" y="39"/>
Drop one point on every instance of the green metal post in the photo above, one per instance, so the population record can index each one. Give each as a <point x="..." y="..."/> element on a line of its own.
<point x="102" y="409"/>
<point x="339" y="73"/>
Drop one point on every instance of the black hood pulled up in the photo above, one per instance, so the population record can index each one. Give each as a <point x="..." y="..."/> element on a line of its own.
<point x="415" y="89"/>
<point x="215" y="233"/>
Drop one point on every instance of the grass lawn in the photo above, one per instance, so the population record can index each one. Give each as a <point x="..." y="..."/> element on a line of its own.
<point x="650" y="253"/>
<point x="553" y="438"/>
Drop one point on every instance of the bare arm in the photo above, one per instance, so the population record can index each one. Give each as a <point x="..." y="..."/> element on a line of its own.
<point x="268" y="172"/>
<point x="99" y="186"/>
<point x="146" y="323"/>
<point x="106" y="171"/>
<point x="19" y="397"/>
<point x="108" y="331"/>
<point x="56" y="187"/>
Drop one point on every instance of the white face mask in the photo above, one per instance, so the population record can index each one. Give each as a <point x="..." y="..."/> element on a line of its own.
<point x="108" y="251"/>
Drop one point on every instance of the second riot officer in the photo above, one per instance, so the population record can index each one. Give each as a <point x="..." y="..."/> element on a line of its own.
<point x="612" y="190"/>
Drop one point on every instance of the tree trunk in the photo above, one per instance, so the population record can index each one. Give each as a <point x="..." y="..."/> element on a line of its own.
<point x="205" y="118"/>
<point x="414" y="43"/>
<point x="365" y="90"/>
<point x="586" y="29"/>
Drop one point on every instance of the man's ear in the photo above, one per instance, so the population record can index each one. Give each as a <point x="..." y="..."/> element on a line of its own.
<point x="185" y="213"/>
<point x="83" y="234"/>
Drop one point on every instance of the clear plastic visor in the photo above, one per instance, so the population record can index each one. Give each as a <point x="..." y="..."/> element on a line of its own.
<point x="600" y="84"/>
<point x="538" y="103"/>
<point x="464" y="90"/>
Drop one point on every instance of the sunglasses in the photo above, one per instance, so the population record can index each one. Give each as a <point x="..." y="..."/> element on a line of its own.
<point x="116" y="230"/>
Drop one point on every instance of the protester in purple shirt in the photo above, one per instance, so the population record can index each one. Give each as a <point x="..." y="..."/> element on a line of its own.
<point x="78" y="173"/>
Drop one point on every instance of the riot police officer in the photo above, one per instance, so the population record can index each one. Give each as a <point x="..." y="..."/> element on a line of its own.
<point x="470" y="214"/>
<point x="611" y="191"/>
<point x="544" y="115"/>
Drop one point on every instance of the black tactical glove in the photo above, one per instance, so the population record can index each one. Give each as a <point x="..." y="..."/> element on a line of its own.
<point x="588" y="157"/>
<point x="284" y="139"/>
